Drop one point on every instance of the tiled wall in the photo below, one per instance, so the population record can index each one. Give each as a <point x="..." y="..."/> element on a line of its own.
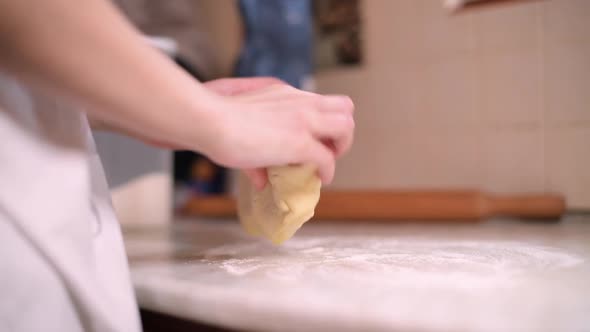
<point x="497" y="98"/>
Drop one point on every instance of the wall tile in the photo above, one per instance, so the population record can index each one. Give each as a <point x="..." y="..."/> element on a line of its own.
<point x="566" y="21"/>
<point x="513" y="160"/>
<point x="391" y="29"/>
<point x="568" y="164"/>
<point x="511" y="88"/>
<point x="440" y="34"/>
<point x="464" y="100"/>
<point x="400" y="88"/>
<point x="444" y="158"/>
<point x="357" y="82"/>
<point x="414" y="158"/>
<point x="513" y="27"/>
<point x="379" y="159"/>
<point x="447" y="93"/>
<point x="566" y="86"/>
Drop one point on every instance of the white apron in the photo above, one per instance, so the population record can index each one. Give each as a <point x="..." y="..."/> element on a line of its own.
<point x="62" y="261"/>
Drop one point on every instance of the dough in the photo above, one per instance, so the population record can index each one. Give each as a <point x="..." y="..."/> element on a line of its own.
<point x="287" y="201"/>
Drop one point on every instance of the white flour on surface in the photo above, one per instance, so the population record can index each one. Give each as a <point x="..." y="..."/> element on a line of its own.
<point x="410" y="262"/>
<point x="377" y="279"/>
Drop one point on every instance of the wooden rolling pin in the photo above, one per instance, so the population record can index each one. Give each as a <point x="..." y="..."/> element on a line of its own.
<point x="465" y="205"/>
<point x="436" y="205"/>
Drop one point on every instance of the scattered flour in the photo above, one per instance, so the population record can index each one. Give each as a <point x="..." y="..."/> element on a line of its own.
<point x="410" y="262"/>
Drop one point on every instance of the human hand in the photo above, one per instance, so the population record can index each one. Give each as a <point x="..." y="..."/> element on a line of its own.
<point x="264" y="123"/>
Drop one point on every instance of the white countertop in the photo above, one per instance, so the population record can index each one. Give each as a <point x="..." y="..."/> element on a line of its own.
<point x="495" y="276"/>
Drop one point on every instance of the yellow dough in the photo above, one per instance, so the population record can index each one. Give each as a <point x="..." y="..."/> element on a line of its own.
<point x="286" y="202"/>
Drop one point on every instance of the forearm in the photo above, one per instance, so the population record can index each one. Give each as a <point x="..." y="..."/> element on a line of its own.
<point x="88" y="52"/>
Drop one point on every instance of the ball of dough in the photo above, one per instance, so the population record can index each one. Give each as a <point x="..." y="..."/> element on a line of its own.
<point x="287" y="201"/>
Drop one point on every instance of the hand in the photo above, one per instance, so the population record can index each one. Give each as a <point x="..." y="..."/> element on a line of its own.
<point x="263" y="123"/>
<point x="235" y="86"/>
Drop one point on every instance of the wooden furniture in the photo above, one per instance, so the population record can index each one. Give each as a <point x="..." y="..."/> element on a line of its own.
<point x="459" y="205"/>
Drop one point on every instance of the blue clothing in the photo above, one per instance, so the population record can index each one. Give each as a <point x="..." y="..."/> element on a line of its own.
<point x="278" y="40"/>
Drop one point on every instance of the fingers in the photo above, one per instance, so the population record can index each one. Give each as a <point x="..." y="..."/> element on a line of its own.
<point x="343" y="143"/>
<point x="333" y="122"/>
<point x="332" y="126"/>
<point x="317" y="153"/>
<point x="257" y="176"/>
<point x="321" y="156"/>
<point x="336" y="128"/>
<point x="283" y="125"/>
<point x="336" y="103"/>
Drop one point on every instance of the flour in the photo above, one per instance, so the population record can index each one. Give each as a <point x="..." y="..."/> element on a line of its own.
<point x="411" y="262"/>
<point x="485" y="278"/>
<point x="239" y="267"/>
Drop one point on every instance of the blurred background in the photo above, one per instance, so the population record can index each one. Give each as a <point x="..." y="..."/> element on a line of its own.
<point x="494" y="98"/>
<point x="466" y="111"/>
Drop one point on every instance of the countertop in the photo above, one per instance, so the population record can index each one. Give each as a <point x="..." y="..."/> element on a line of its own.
<point x="494" y="276"/>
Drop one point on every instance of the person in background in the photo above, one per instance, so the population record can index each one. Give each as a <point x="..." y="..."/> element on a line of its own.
<point x="277" y="40"/>
<point x="63" y="266"/>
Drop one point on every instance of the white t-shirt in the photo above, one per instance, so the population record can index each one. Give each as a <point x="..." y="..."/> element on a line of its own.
<point x="62" y="261"/>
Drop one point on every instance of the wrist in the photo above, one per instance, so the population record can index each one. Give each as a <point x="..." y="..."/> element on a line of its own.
<point x="204" y="129"/>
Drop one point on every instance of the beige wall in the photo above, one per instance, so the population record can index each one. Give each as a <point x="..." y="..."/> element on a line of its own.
<point x="497" y="98"/>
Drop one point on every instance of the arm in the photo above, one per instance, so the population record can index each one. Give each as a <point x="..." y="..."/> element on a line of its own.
<point x="224" y="87"/>
<point x="89" y="53"/>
